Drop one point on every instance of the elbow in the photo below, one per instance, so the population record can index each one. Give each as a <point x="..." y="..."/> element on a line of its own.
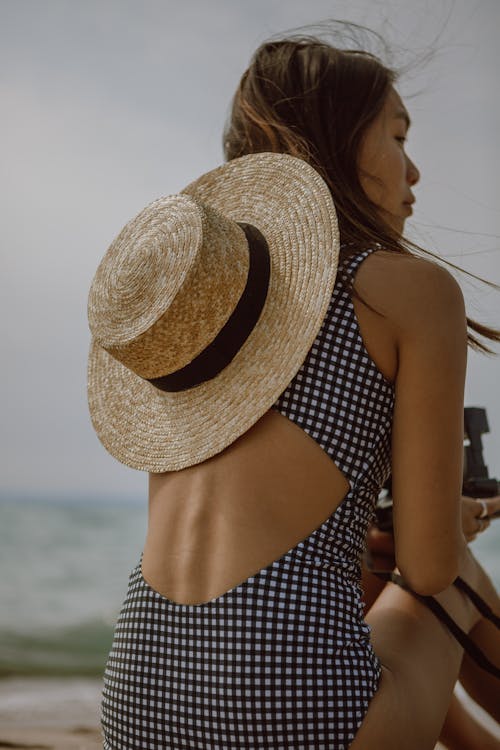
<point x="428" y="565"/>
<point x="427" y="580"/>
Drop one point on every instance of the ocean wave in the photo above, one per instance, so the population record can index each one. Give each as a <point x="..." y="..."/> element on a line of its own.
<point x="71" y="650"/>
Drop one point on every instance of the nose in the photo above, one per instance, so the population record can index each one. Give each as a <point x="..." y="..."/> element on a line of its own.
<point x="412" y="173"/>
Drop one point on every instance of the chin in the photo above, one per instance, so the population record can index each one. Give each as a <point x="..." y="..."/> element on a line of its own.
<point x="395" y="222"/>
<point x="397" y="225"/>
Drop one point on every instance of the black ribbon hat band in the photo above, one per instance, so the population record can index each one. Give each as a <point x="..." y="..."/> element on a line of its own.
<point x="222" y="350"/>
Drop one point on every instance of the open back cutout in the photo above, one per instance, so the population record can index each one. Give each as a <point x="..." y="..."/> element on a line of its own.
<point x="214" y="525"/>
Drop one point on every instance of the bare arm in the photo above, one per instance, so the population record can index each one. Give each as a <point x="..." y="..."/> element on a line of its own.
<point x="428" y="315"/>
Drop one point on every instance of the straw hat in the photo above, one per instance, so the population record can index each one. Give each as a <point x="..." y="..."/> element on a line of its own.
<point x="204" y="308"/>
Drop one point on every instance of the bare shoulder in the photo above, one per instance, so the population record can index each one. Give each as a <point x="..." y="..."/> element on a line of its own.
<point x="408" y="289"/>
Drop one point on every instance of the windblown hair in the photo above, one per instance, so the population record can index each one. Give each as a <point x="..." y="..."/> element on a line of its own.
<point x="304" y="97"/>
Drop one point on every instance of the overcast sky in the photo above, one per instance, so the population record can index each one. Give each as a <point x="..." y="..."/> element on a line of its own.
<point x="108" y="104"/>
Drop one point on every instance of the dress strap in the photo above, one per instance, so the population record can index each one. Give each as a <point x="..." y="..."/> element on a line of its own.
<point x="460" y="635"/>
<point x="350" y="263"/>
<point x="477" y="601"/>
<point x="353" y="258"/>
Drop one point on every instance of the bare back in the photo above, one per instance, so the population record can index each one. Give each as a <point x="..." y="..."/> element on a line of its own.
<point x="213" y="525"/>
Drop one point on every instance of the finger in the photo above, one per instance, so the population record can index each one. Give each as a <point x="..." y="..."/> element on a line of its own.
<point x="492" y="504"/>
<point x="470" y="534"/>
<point x="483" y="508"/>
<point x="470" y="513"/>
<point x="482" y="524"/>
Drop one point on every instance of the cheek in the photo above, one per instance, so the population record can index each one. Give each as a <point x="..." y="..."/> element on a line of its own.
<point x="373" y="175"/>
<point x="370" y="157"/>
<point x="373" y="168"/>
<point x="373" y="188"/>
<point x="388" y="172"/>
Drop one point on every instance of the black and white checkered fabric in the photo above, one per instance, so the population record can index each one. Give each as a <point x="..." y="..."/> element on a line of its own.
<point x="283" y="660"/>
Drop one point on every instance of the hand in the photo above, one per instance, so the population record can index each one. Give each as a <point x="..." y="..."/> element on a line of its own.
<point x="472" y="510"/>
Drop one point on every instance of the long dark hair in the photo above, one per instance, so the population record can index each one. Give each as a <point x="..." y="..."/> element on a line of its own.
<point x="304" y="97"/>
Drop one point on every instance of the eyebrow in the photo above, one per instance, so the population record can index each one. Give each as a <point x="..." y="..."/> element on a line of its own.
<point x="402" y="114"/>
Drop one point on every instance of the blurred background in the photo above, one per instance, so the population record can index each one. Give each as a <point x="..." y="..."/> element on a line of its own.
<point x="107" y="105"/>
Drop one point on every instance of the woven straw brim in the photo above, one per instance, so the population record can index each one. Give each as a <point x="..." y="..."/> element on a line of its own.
<point x="155" y="431"/>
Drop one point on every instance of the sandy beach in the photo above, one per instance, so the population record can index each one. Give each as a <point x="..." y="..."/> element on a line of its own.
<point x="51" y="739"/>
<point x="63" y="714"/>
<point x="50" y="713"/>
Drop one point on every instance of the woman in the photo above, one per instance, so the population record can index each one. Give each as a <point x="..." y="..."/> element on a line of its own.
<point x="283" y="387"/>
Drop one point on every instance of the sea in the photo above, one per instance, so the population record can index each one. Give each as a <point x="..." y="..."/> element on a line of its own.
<point x="64" y="567"/>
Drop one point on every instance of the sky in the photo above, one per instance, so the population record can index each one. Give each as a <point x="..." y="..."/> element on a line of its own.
<point x="108" y="105"/>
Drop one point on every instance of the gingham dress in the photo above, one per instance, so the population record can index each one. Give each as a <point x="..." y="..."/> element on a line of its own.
<point x="282" y="660"/>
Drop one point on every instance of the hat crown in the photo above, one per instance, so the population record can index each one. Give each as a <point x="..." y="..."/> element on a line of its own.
<point x="167" y="285"/>
<point x="143" y="270"/>
<point x="155" y="429"/>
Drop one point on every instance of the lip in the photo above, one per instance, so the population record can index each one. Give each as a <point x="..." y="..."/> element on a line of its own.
<point x="408" y="208"/>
